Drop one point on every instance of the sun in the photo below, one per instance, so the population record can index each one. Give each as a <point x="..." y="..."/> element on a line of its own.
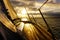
<point x="23" y="11"/>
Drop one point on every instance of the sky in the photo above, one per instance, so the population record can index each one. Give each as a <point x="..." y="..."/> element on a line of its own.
<point x="31" y="2"/>
<point x="57" y="1"/>
<point x="36" y="3"/>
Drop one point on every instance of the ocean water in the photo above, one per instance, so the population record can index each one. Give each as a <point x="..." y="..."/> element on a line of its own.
<point x="53" y="21"/>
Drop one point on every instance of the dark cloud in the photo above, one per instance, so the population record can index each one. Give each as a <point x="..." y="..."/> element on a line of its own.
<point x="21" y="3"/>
<point x="15" y="2"/>
<point x="18" y="3"/>
<point x="25" y="2"/>
<point x="29" y="0"/>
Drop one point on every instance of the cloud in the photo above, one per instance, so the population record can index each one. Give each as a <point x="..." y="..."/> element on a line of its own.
<point x="29" y="0"/>
<point x="54" y="1"/>
<point x="22" y="2"/>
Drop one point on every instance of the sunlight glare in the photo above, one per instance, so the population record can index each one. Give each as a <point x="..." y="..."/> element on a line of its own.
<point x="24" y="19"/>
<point x="20" y="27"/>
<point x="23" y="11"/>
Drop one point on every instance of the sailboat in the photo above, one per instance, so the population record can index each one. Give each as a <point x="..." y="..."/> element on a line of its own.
<point x="26" y="30"/>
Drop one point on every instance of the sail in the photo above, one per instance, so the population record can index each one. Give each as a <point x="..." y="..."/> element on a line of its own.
<point x="11" y="11"/>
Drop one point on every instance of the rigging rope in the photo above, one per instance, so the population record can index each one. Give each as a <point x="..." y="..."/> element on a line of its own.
<point x="46" y="21"/>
